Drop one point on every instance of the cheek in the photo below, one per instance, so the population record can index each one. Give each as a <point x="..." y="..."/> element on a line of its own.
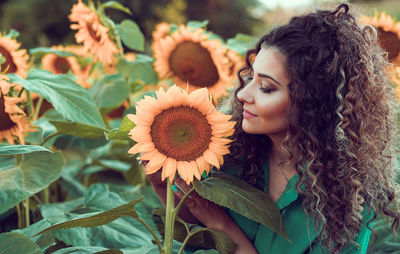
<point x="275" y="108"/>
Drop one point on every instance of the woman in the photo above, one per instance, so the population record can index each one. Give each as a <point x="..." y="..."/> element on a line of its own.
<point x="316" y="130"/>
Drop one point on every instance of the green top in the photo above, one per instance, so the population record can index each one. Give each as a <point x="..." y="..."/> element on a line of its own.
<point x="299" y="227"/>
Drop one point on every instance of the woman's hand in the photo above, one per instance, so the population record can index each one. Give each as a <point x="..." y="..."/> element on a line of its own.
<point x="208" y="213"/>
<point x="215" y="217"/>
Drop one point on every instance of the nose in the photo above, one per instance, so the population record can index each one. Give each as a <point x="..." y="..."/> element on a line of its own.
<point x="244" y="95"/>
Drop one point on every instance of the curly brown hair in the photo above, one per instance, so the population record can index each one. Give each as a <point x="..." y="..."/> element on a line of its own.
<point x="342" y="122"/>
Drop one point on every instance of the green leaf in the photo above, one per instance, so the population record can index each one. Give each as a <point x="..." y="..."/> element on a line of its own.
<point x="115" y="5"/>
<point x="99" y="219"/>
<point x="241" y="43"/>
<point x="78" y="129"/>
<point x="131" y="35"/>
<point x="122" y="131"/>
<point x="139" y="69"/>
<point x="13" y="34"/>
<point x="21" y="149"/>
<point x="40" y="51"/>
<point x="34" y="172"/>
<point x="14" y="242"/>
<point x="194" y="24"/>
<point x="110" y="92"/>
<point x="118" y="234"/>
<point x="237" y="195"/>
<point x="69" y="99"/>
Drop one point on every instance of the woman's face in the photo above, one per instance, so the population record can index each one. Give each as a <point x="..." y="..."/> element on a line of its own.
<point x="266" y="97"/>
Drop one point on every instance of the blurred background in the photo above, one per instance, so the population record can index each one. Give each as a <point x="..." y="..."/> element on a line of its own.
<point x="45" y="22"/>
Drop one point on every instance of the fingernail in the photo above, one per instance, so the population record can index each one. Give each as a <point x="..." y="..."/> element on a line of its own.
<point x="174" y="188"/>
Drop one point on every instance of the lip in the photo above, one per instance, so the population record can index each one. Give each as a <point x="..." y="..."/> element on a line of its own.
<point x="248" y="115"/>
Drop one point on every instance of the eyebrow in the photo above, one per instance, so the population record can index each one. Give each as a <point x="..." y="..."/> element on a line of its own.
<point x="262" y="75"/>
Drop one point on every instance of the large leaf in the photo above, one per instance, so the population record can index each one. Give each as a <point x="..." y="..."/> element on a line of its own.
<point x="68" y="98"/>
<point x="78" y="129"/>
<point x="140" y="69"/>
<point x="131" y="35"/>
<point x="38" y="52"/>
<point x="21" y="149"/>
<point x="99" y="219"/>
<point x="16" y="243"/>
<point x="241" y="43"/>
<point x="237" y="195"/>
<point x="110" y="92"/>
<point x="120" y="233"/>
<point x="34" y="172"/>
<point x="122" y="131"/>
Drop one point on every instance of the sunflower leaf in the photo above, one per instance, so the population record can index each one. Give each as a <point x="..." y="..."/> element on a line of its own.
<point x="131" y="35"/>
<point x="122" y="131"/>
<point x="21" y="149"/>
<point x="194" y="24"/>
<point x="32" y="173"/>
<point x="69" y="99"/>
<point x="237" y="195"/>
<point x="115" y="5"/>
<point x="139" y="69"/>
<point x="110" y="92"/>
<point x="78" y="129"/>
<point x="99" y="219"/>
<point x="13" y="242"/>
<point x="40" y="51"/>
<point x="241" y="43"/>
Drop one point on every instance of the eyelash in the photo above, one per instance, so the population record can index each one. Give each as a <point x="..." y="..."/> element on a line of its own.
<point x="264" y="90"/>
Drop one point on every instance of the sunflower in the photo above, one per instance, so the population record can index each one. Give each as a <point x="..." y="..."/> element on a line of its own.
<point x="161" y="31"/>
<point x="16" y="59"/>
<point x="180" y="131"/>
<point x="92" y="33"/>
<point x="193" y="60"/>
<point x="13" y="122"/>
<point x="388" y="34"/>
<point x="60" y="65"/>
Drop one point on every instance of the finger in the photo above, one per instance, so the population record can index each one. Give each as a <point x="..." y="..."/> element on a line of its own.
<point x="188" y="202"/>
<point x="182" y="184"/>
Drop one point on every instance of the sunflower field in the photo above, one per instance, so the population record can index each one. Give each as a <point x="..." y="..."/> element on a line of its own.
<point x="74" y="131"/>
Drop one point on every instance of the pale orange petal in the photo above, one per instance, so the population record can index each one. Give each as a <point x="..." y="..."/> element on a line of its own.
<point x="211" y="158"/>
<point x="169" y="168"/>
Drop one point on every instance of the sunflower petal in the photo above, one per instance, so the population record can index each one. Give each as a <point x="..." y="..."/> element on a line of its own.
<point x="169" y="169"/>
<point x="211" y="158"/>
<point x="196" y="171"/>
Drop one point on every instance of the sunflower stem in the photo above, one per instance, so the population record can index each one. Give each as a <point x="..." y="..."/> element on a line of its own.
<point x="37" y="108"/>
<point x="169" y="219"/>
<point x="153" y="233"/>
<point x="187" y="238"/>
<point x="49" y="137"/>
<point x="30" y="104"/>
<point x="176" y="210"/>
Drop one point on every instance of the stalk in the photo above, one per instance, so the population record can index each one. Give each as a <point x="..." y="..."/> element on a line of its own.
<point x="169" y="220"/>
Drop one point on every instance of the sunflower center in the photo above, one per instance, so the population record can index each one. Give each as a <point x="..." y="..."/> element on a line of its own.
<point x="390" y="42"/>
<point x="192" y="62"/>
<point x="181" y="133"/>
<point x="9" y="63"/>
<point x="61" y="65"/>
<point x="5" y="121"/>
<point x="92" y="32"/>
